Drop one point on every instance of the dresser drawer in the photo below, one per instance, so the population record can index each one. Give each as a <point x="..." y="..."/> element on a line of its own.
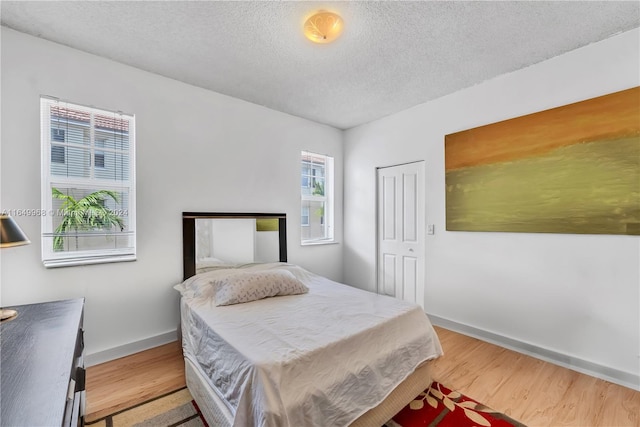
<point x="74" y="412"/>
<point x="75" y="407"/>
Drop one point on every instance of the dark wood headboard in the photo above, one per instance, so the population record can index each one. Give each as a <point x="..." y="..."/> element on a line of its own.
<point x="189" y="234"/>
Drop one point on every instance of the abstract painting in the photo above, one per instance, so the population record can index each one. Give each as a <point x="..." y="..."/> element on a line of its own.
<point x="570" y="169"/>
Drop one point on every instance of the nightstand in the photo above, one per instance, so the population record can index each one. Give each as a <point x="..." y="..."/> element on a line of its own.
<point x="42" y="376"/>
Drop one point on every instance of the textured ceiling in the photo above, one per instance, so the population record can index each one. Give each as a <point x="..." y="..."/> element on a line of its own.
<point x="391" y="56"/>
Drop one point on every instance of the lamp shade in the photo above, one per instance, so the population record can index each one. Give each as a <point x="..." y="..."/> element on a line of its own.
<point x="10" y="233"/>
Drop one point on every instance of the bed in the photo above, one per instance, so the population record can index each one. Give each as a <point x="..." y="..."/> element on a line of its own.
<point x="313" y="352"/>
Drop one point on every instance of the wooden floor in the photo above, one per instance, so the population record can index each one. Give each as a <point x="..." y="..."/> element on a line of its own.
<point x="134" y="379"/>
<point x="534" y="392"/>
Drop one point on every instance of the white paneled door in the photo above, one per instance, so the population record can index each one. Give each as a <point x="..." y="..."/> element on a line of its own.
<point x="401" y="233"/>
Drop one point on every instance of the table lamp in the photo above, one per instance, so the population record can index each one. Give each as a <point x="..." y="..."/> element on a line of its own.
<point x="10" y="235"/>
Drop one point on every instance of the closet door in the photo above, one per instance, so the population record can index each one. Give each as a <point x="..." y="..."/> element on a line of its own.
<point x="401" y="233"/>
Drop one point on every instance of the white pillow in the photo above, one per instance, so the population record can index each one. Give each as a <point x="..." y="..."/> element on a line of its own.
<point x="201" y="285"/>
<point x="254" y="285"/>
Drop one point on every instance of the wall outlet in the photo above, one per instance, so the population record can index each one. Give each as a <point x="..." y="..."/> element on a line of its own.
<point x="431" y="229"/>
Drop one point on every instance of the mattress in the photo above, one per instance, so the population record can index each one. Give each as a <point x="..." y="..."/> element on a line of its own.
<point x="322" y="358"/>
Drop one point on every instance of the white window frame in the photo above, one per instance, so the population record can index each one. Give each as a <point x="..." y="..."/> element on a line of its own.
<point x="51" y="258"/>
<point x="328" y="200"/>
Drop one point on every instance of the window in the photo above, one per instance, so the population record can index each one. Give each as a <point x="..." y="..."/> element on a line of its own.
<point x="57" y="135"/>
<point x="57" y="154"/>
<point x="57" y="151"/>
<point x="98" y="159"/>
<point x="316" y="191"/>
<point x="88" y="185"/>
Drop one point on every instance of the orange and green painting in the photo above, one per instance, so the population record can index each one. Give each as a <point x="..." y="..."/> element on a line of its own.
<point x="571" y="169"/>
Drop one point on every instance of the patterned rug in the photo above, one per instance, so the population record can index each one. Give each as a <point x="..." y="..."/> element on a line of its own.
<point x="442" y="407"/>
<point x="436" y="406"/>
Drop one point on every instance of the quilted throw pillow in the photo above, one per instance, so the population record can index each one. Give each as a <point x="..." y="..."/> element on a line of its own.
<point x="254" y="285"/>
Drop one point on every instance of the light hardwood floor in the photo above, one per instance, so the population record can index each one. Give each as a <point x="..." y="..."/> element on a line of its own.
<point x="534" y="392"/>
<point x="134" y="379"/>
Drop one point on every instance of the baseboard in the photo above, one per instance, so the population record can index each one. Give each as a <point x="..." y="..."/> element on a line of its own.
<point x="616" y="376"/>
<point x="130" y="348"/>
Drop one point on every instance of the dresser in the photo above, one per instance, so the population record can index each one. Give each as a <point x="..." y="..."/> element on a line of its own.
<point x="42" y="369"/>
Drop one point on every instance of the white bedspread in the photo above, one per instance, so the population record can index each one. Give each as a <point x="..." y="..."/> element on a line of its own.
<point x="317" y="359"/>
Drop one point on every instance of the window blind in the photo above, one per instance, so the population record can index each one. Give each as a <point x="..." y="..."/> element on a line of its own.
<point x="88" y="184"/>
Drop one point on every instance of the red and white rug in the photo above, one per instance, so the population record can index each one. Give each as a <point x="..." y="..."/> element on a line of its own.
<point x="439" y="406"/>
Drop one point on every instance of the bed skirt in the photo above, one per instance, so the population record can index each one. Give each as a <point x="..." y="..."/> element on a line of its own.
<point x="217" y="414"/>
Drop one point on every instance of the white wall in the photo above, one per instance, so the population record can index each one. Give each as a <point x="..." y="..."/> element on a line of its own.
<point x="197" y="150"/>
<point x="574" y="296"/>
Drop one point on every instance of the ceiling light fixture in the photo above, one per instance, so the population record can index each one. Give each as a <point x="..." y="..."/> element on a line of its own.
<point x="323" y="27"/>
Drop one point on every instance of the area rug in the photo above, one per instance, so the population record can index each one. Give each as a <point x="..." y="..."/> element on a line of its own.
<point x="442" y="407"/>
<point x="171" y="410"/>
<point x="436" y="406"/>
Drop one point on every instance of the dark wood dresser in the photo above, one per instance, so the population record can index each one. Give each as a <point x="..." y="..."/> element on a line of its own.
<point x="42" y="369"/>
